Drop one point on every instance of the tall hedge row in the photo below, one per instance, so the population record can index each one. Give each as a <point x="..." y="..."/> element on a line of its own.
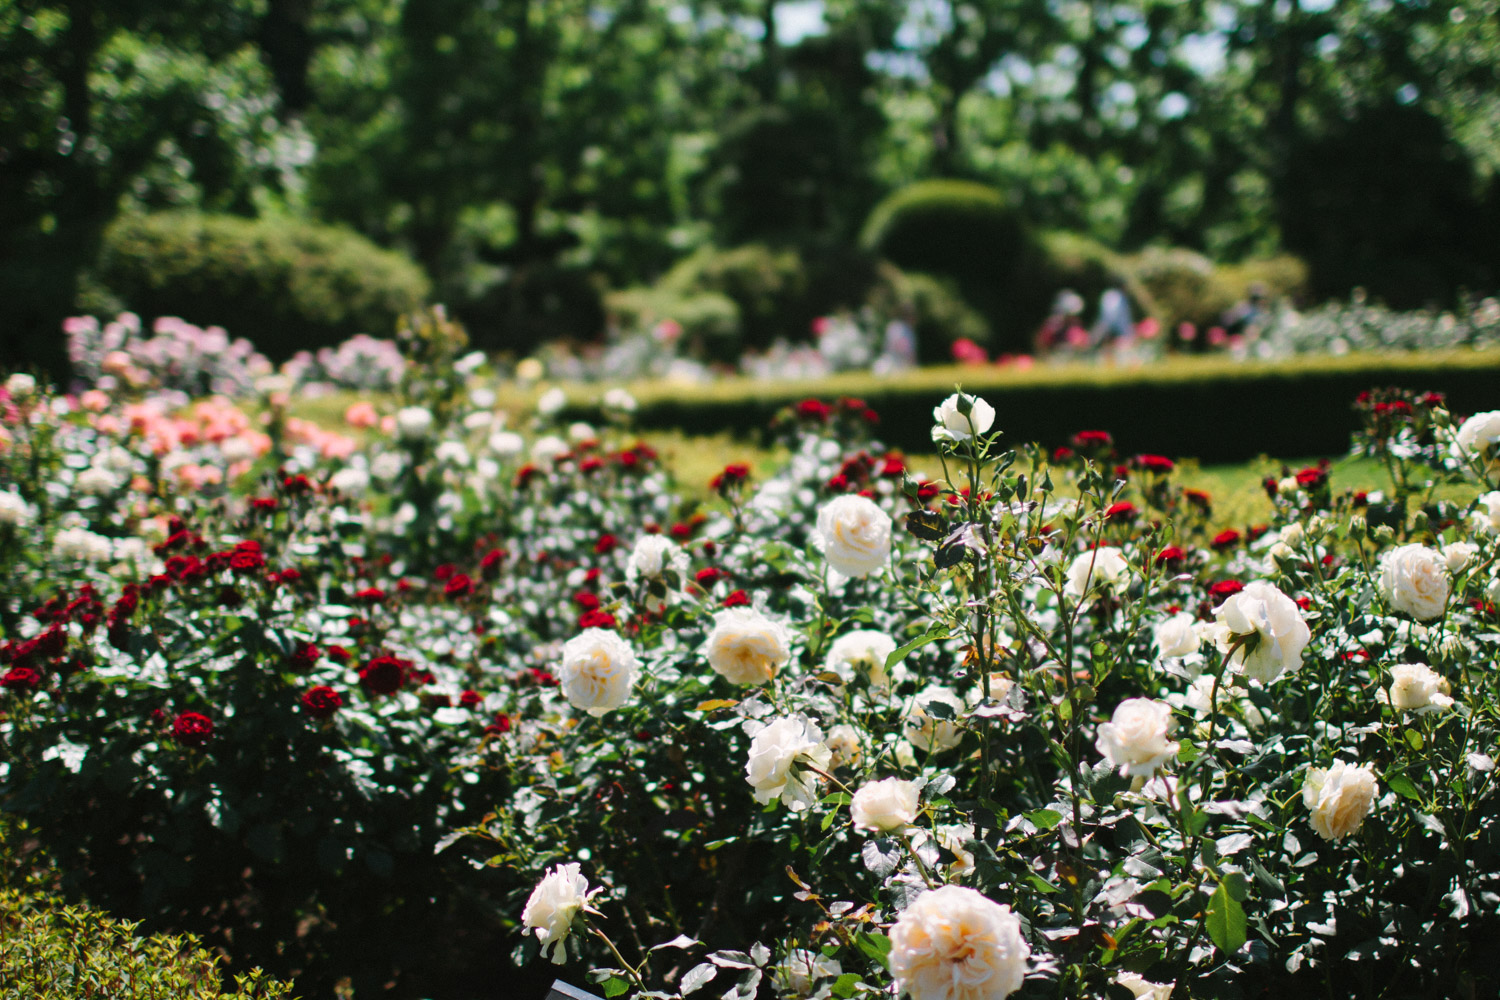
<point x="1215" y="409"/>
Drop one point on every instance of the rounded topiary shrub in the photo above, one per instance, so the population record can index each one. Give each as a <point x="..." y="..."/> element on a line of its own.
<point x="767" y="285"/>
<point x="284" y="285"/>
<point x="1184" y="285"/>
<point x="966" y="232"/>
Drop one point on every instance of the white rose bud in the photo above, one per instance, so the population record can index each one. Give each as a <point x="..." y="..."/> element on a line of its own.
<point x="862" y="651"/>
<point x="559" y="897"/>
<point x="854" y="534"/>
<point x="1269" y="628"/>
<point x="746" y="647"/>
<point x="96" y="481"/>
<point x="20" y="386"/>
<point x="1416" y="687"/>
<point x="779" y="757"/>
<point x="1135" y="739"/>
<point x="1339" y="798"/>
<point x="955" y="944"/>
<point x="387" y="466"/>
<point x="1095" y="569"/>
<point x="413" y="423"/>
<point x="548" y="448"/>
<point x="1414" y="581"/>
<point x="953" y="425"/>
<point x="506" y="444"/>
<point x="1176" y="636"/>
<point x="885" y="806"/>
<point x="618" y="400"/>
<point x="580" y="432"/>
<point x="928" y="732"/>
<point x="598" y="671"/>
<point x="1144" y="989"/>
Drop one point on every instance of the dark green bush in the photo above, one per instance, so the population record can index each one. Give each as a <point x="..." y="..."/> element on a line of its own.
<point x="941" y="315"/>
<point x="969" y="233"/>
<point x="284" y="285"/>
<point x="1216" y="409"/>
<point x="767" y="285"/>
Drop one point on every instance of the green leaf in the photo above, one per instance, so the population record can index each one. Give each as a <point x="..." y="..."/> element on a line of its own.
<point x="843" y="986"/>
<point x="1414" y="738"/>
<point x="876" y="946"/>
<point x="1404" y="787"/>
<point x="615" y="986"/>
<point x="1226" y="920"/>
<point x="899" y="653"/>
<point x="1045" y="819"/>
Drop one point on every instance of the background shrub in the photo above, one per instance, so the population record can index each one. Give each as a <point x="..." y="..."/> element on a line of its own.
<point x="1088" y="267"/>
<point x="284" y="285"/>
<point x="966" y="232"/>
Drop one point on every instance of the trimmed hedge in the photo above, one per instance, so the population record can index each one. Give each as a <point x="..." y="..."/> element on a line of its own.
<point x="1215" y="409"/>
<point x="284" y="285"/>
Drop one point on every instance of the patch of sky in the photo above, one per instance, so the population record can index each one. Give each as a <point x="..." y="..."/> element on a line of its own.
<point x="799" y="19"/>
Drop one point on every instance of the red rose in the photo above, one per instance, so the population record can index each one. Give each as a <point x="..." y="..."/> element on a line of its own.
<point x="468" y="699"/>
<point x="1122" y="511"/>
<point x="1063" y="453"/>
<point x="322" y="701"/>
<point x="596" y="619"/>
<point x="681" y="532"/>
<point x="1093" y="440"/>
<point x="1226" y="539"/>
<point x="708" y="577"/>
<point x="586" y="600"/>
<point x="263" y="503"/>
<point x="458" y="585"/>
<point x="192" y="729"/>
<point x="838" y="484"/>
<point x="247" y="558"/>
<point x="370" y="595"/>
<point x="338" y="654"/>
<point x="606" y="544"/>
<point x="591" y="464"/>
<point x="737" y="599"/>
<point x="304" y="655"/>
<point x="1172" y="556"/>
<point x="21" y="679"/>
<point x="1198" y="499"/>
<point x="383" y="675"/>
<point x="1225" y="589"/>
<point x="500" y="726"/>
<point x="1312" y="477"/>
<point x="1159" y="464"/>
<point x="813" y="409"/>
<point x="489" y="566"/>
<point x="525" y="474"/>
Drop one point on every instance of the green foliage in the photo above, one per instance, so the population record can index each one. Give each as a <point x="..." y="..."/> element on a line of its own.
<point x="941" y="314"/>
<point x="768" y="287"/>
<point x="1186" y="287"/>
<point x="285" y="285"/>
<point x="49" y="951"/>
<point x="1088" y="267"/>
<point x="966" y="232"/>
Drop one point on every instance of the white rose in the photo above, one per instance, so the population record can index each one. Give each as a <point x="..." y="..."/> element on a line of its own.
<point x="1416" y="687"/>
<point x="1414" y="581"/>
<point x="413" y="423"/>
<point x="350" y="482"/>
<point x="387" y="466"/>
<point x="652" y="556"/>
<point x="1478" y="436"/>
<point x="1339" y="798"/>
<point x="1200" y="694"/>
<point x="1177" y="636"/>
<point x="1144" y="989"/>
<point x="598" y="671"/>
<point x="20" y="385"/>
<point x="507" y="444"/>
<point x="746" y="647"/>
<point x="885" y="806"/>
<point x="854" y="534"/>
<point x="83" y="545"/>
<point x="1457" y="555"/>
<point x="955" y="944"/>
<point x="1101" y="567"/>
<point x="551" y="402"/>
<point x="452" y="453"/>
<point x="926" y="731"/>
<point x="548" y="448"/>
<point x="619" y="401"/>
<point x="862" y="651"/>
<point x="953" y="425"/>
<point x="559" y="897"/>
<point x="957" y="837"/>
<point x="1135" y="738"/>
<point x="844" y="747"/>
<point x="779" y="755"/>
<point x="14" y="510"/>
<point x="580" y="432"/>
<point x="95" y="481"/>
<point x="1274" y="626"/>
<point x="1486" y="517"/>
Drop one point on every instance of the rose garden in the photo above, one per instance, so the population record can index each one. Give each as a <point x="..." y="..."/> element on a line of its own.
<point x="444" y="698"/>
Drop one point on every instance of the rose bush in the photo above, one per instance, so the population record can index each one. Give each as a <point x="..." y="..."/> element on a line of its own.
<point x="1024" y="724"/>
